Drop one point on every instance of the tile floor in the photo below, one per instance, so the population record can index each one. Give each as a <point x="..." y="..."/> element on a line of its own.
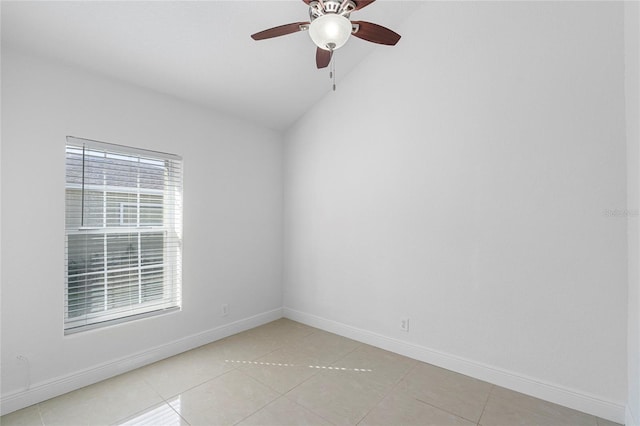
<point x="286" y="373"/>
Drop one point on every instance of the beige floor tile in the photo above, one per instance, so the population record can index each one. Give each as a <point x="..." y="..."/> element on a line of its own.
<point x="282" y="331"/>
<point x="283" y="369"/>
<point x="458" y="394"/>
<point x="159" y="415"/>
<point x="325" y="378"/>
<point x="500" y="413"/>
<point x="376" y="364"/>
<point x="284" y="412"/>
<point x="29" y="416"/>
<point x="398" y="409"/>
<point x="603" y="422"/>
<point x="508" y="407"/>
<point x="182" y="372"/>
<point x="338" y="397"/>
<point x="326" y="347"/>
<point x="103" y="403"/>
<point x="224" y="400"/>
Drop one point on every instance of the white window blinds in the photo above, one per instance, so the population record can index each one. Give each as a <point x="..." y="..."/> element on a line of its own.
<point x="123" y="233"/>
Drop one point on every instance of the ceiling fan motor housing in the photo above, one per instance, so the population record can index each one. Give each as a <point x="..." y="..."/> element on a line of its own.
<point x="317" y="8"/>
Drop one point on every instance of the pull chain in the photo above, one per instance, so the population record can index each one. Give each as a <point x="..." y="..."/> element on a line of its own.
<point x="332" y="72"/>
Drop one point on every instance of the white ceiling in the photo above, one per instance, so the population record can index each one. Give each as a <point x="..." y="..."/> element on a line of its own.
<point x="200" y="51"/>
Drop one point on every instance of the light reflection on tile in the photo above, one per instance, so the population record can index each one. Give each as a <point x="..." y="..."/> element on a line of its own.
<point x="159" y="415"/>
<point x="312" y="366"/>
<point x="384" y="367"/>
<point x="286" y="368"/>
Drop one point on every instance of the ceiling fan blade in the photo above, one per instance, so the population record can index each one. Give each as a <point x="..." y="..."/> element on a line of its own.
<point x="323" y="57"/>
<point x="362" y="3"/>
<point x="279" y="31"/>
<point x="376" y="33"/>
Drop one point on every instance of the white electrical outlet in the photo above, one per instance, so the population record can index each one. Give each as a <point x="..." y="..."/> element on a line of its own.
<point x="225" y="310"/>
<point x="404" y="323"/>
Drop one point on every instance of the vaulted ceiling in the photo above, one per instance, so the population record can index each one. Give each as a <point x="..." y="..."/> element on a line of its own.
<point x="200" y="51"/>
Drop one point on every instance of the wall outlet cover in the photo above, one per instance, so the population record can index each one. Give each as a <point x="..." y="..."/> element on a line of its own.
<point x="404" y="323"/>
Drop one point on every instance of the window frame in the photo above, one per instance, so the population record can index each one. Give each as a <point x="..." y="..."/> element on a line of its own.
<point x="170" y="228"/>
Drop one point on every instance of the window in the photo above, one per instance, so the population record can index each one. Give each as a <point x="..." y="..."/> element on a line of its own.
<point x="123" y="233"/>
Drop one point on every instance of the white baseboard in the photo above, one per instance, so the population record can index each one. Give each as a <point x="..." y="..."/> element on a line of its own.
<point x="630" y="420"/>
<point x="60" y="385"/>
<point x="557" y="394"/>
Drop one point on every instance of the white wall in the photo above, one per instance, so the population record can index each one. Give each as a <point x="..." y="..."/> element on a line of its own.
<point x="232" y="223"/>
<point x="464" y="181"/>
<point x="632" y="73"/>
<point x="468" y="178"/>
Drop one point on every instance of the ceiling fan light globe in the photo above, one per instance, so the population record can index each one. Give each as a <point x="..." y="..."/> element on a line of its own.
<point x="330" y="31"/>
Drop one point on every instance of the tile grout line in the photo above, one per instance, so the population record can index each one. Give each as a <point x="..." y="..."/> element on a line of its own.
<point x="40" y="414"/>
<point x="164" y="401"/>
<point x="311" y="411"/>
<point x="167" y="402"/>
<point x="263" y="406"/>
<point x="391" y="389"/>
<point x="280" y="395"/>
<point x="195" y="386"/>
<point x="530" y="410"/>
<point x="444" y="410"/>
<point x="435" y="406"/>
<point x="316" y="373"/>
<point x="290" y="344"/>
<point x="486" y="402"/>
<point x="176" y="411"/>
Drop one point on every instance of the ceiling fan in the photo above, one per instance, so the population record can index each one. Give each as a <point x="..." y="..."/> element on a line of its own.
<point x="330" y="27"/>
